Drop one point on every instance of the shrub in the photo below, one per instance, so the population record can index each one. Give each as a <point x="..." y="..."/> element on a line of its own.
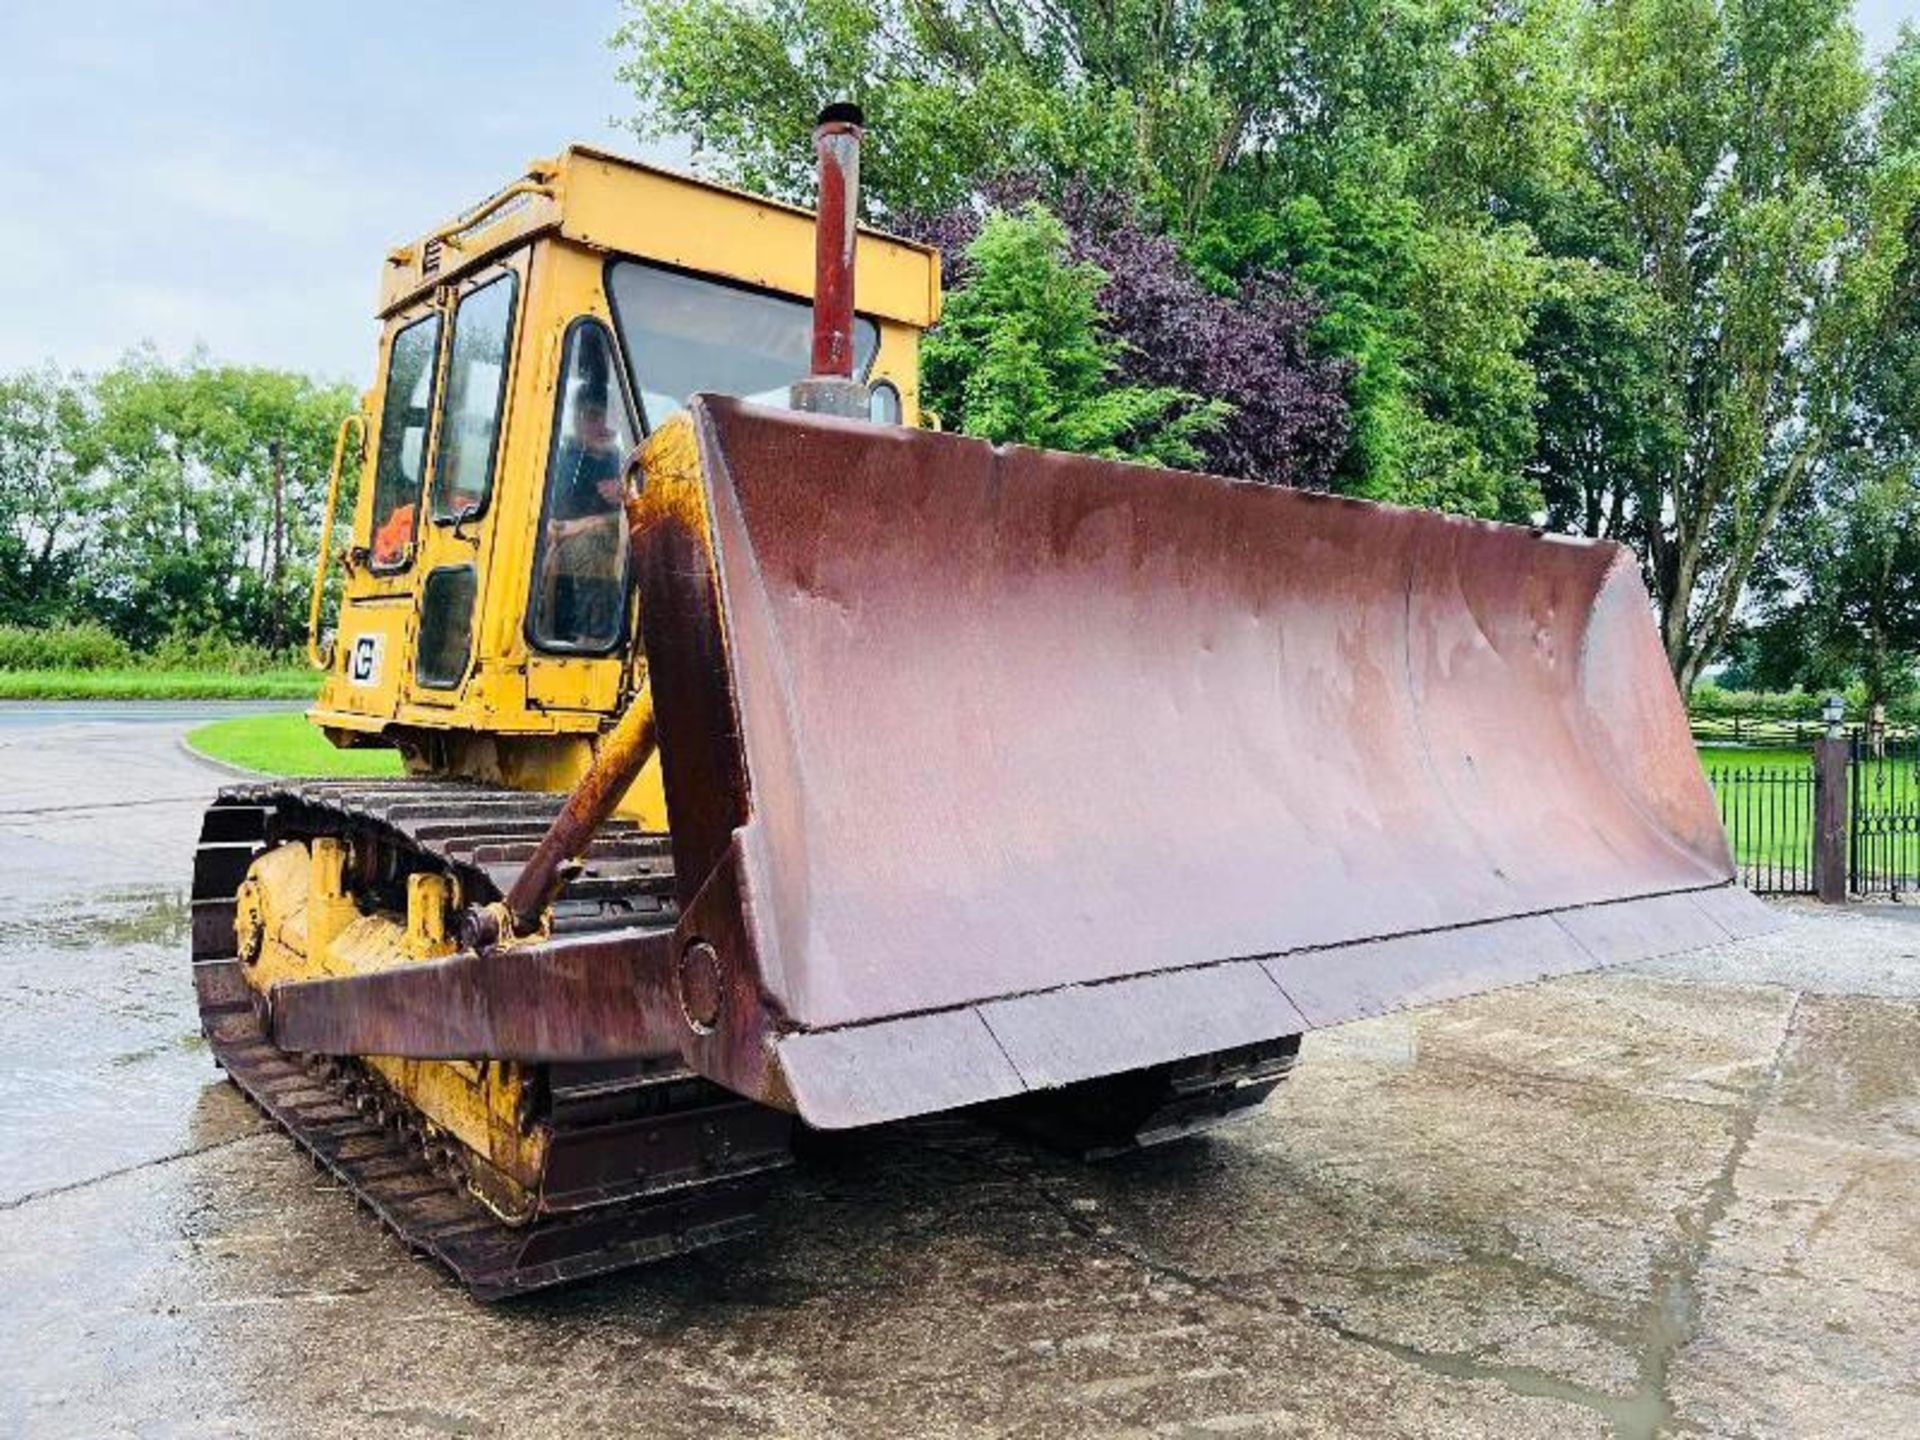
<point x="1020" y="356"/>
<point x="62" y="647"/>
<point x="1710" y="702"/>
<point x="215" y="652"/>
<point x="1281" y="409"/>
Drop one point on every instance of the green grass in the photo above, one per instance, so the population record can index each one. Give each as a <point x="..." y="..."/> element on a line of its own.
<point x="140" y="684"/>
<point x="1742" y="757"/>
<point x="285" y="743"/>
<point x="1765" y="804"/>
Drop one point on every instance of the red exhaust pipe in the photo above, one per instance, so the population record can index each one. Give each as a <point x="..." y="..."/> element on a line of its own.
<point x="831" y="388"/>
<point x="836" y="140"/>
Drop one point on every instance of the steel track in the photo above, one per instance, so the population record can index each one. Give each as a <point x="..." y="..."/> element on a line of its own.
<point x="644" y="1161"/>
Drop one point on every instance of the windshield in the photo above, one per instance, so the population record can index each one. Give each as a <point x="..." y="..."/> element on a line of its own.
<point x="683" y="334"/>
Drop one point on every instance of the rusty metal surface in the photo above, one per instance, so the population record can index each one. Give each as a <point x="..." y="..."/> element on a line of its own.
<point x="1060" y="1037"/>
<point x="1658" y="925"/>
<point x="1735" y="910"/>
<point x="622" y="754"/>
<point x="998" y="771"/>
<point x="383" y="1169"/>
<point x="572" y="999"/>
<point x="1005" y="721"/>
<point x="1031" y="1044"/>
<point x="836" y="144"/>
<point x="1377" y="976"/>
<point x="862" y="1075"/>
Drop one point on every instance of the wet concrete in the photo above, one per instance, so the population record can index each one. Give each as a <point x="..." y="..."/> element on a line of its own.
<point x="1677" y="1200"/>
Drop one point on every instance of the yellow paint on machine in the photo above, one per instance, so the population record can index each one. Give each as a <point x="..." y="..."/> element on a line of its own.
<point x="294" y="920"/>
<point x="519" y="714"/>
<point x="495" y="705"/>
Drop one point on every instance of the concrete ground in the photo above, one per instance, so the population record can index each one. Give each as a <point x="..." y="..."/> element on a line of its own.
<point x="1674" y="1200"/>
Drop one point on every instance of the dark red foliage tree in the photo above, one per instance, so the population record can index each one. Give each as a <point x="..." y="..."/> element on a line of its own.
<point x="1253" y="349"/>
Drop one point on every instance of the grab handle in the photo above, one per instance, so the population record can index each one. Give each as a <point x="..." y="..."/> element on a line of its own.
<point x="319" y="658"/>
<point x="453" y="234"/>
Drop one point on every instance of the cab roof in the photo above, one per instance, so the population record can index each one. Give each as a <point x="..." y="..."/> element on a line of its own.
<point x="609" y="202"/>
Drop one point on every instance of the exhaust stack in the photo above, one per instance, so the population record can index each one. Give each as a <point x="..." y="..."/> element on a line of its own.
<point x="831" y="388"/>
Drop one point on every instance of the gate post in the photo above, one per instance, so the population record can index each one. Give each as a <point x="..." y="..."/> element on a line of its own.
<point x="1830" y="754"/>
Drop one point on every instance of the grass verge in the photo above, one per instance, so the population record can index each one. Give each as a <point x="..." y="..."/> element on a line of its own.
<point x="138" y="684"/>
<point x="285" y="743"/>
<point x="1745" y="757"/>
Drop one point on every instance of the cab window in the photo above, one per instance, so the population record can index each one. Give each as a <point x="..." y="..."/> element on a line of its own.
<point x="446" y="627"/>
<point x="683" y="334"/>
<point x="580" y="562"/>
<point x="405" y="410"/>
<point x="476" y="389"/>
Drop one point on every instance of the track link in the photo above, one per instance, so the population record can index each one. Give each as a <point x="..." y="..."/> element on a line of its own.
<point x="644" y="1160"/>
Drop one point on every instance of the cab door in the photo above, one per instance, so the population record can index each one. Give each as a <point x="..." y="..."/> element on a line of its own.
<point x="376" y="625"/>
<point x="455" y="529"/>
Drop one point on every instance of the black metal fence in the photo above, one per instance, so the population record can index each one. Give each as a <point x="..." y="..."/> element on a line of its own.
<point x="1769" y="809"/>
<point x="1769" y="814"/>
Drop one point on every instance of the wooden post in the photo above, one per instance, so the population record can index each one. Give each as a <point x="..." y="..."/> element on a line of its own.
<point x="1830" y="754"/>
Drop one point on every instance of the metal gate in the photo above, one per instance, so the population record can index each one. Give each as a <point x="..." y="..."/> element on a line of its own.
<point x="1883" y="840"/>
<point x="1769" y="814"/>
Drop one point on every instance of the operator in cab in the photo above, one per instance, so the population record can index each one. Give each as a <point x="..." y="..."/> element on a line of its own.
<point x="583" y="545"/>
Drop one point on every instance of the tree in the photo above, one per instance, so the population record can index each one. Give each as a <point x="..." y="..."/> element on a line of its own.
<point x="1020" y="356"/>
<point x="1154" y="100"/>
<point x="214" y="475"/>
<point x="1855" y="611"/>
<point x="1735" y="150"/>
<point x="1434" y="312"/>
<point x="45" y="497"/>
<point x="163" y="500"/>
<point x="1272" y="143"/>
<point x="1606" y="434"/>
<point x="1842" y="585"/>
<point x="1618" y="261"/>
<point x="1251" y="348"/>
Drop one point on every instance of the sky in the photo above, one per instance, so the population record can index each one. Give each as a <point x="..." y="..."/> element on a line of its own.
<point x="230" y="174"/>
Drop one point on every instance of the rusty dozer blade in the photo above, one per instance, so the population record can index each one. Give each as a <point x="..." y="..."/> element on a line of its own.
<point x="994" y="771"/>
<point x="1007" y="769"/>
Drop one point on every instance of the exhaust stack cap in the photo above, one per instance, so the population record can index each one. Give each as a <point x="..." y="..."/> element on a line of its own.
<point x="831" y="389"/>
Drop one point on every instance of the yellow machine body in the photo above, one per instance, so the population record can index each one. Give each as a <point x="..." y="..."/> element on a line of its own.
<point x="501" y="707"/>
<point x="296" y="920"/>
<point x="557" y="243"/>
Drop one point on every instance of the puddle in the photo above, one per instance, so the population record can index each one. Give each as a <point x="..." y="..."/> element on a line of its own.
<point x="100" y="1053"/>
<point x="117" y="918"/>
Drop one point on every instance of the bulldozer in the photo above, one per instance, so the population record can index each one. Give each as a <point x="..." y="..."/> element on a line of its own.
<point x="775" y="762"/>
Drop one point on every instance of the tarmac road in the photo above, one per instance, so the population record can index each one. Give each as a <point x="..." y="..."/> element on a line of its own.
<point x="1674" y="1200"/>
